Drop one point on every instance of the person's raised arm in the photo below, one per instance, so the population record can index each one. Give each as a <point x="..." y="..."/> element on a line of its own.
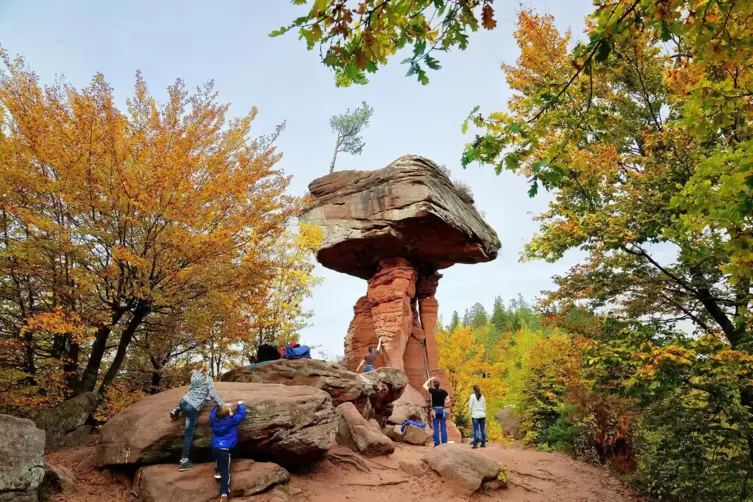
<point x="360" y="366"/>
<point x="427" y="383"/>
<point x="379" y="345"/>
<point x="240" y="414"/>
<point x="213" y="394"/>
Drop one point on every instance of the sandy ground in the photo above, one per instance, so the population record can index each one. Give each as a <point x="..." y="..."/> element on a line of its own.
<point x="533" y="477"/>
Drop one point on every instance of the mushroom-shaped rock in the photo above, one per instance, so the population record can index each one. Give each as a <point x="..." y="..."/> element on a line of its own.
<point x="409" y="209"/>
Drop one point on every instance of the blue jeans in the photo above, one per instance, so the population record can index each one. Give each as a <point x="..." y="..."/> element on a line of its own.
<point x="192" y="416"/>
<point x="479" y="430"/>
<point x="439" y="422"/>
<point x="368" y="368"/>
<point x="222" y="465"/>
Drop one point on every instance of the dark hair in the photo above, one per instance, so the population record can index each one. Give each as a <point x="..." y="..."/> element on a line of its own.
<point x="477" y="391"/>
<point x="371" y="349"/>
<point x="436" y="384"/>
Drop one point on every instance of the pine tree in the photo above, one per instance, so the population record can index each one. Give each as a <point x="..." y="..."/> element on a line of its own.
<point x="454" y="322"/>
<point x="499" y="318"/>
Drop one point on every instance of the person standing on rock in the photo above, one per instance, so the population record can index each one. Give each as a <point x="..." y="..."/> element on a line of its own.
<point x="224" y="437"/>
<point x="369" y="360"/>
<point x="200" y="387"/>
<point x="439" y="398"/>
<point x="477" y="408"/>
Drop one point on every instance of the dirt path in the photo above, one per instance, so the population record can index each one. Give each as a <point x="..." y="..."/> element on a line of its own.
<point x="533" y="477"/>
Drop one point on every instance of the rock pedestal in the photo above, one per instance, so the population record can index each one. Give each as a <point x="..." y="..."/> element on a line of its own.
<point x="397" y="227"/>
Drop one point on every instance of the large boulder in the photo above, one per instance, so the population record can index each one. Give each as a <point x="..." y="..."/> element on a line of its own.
<point x="415" y="435"/>
<point x="290" y="425"/>
<point x="21" y="459"/>
<point x="354" y="432"/>
<point x="67" y="423"/>
<point x="409" y="209"/>
<point x="155" y="483"/>
<point x="509" y="421"/>
<point x="465" y="469"/>
<point x="412" y="405"/>
<point x="367" y="391"/>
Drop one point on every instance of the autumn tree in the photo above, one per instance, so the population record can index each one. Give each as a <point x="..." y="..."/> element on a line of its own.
<point x="646" y="157"/>
<point x="347" y="128"/>
<point x="111" y="218"/>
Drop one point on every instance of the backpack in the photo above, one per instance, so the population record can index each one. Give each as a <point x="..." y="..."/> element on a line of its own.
<point x="297" y="352"/>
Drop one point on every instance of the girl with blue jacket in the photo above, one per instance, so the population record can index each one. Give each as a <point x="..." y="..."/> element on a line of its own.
<point x="224" y="424"/>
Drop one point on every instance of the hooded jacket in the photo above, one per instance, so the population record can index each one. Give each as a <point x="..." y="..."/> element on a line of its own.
<point x="200" y="387"/>
<point x="225" y="430"/>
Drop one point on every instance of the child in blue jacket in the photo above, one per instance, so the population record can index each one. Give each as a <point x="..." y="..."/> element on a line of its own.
<point x="224" y="437"/>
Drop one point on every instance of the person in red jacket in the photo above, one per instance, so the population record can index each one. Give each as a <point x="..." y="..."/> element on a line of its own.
<point x="225" y="424"/>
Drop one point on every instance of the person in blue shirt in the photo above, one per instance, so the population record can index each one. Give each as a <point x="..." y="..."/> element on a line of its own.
<point x="224" y="424"/>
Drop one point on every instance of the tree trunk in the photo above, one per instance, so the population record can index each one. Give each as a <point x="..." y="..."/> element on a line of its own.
<point x="156" y="375"/>
<point x="91" y="373"/>
<point x="141" y="311"/>
<point x="334" y="155"/>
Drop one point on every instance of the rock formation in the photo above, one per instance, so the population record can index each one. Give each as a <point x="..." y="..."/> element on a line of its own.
<point x="156" y="483"/>
<point x="371" y="393"/>
<point x="21" y="459"/>
<point x="288" y="424"/>
<point x="466" y="470"/>
<point x="397" y="227"/>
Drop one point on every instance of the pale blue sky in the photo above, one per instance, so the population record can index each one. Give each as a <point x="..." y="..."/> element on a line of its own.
<point x="226" y="40"/>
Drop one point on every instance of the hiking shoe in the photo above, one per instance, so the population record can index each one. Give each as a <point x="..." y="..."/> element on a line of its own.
<point x="483" y="445"/>
<point x="474" y="446"/>
<point x="186" y="466"/>
<point x="175" y="413"/>
<point x="217" y="476"/>
<point x="223" y="498"/>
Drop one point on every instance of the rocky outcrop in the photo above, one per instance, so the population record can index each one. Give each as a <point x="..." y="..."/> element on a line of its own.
<point x="409" y="209"/>
<point x="356" y="433"/>
<point x="66" y="424"/>
<point x="21" y="459"/>
<point x="156" y="483"/>
<point x="370" y="392"/>
<point x="288" y="424"/>
<point x="463" y="468"/>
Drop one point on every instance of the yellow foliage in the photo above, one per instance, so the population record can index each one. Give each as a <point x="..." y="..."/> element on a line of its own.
<point x="466" y="357"/>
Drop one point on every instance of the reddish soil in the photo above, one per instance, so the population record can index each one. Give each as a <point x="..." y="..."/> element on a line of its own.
<point x="533" y="477"/>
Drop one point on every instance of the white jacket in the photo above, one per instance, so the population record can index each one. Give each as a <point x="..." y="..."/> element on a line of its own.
<point x="477" y="407"/>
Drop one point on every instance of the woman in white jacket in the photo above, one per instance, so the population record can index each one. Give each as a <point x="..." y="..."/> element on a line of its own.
<point x="477" y="407"/>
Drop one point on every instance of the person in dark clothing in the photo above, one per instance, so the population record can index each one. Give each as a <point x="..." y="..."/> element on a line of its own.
<point x="224" y="424"/>
<point x="439" y="398"/>
<point x="369" y="360"/>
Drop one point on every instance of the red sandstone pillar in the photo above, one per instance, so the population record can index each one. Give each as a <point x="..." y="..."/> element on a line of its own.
<point x="391" y="291"/>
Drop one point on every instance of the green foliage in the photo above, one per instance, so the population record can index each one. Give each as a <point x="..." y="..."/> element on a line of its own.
<point x="356" y="39"/>
<point x="348" y="126"/>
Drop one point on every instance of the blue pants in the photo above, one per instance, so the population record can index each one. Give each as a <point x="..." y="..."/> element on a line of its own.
<point x="222" y="465"/>
<point x="368" y="368"/>
<point x="479" y="430"/>
<point x="439" y="422"/>
<point x="192" y="416"/>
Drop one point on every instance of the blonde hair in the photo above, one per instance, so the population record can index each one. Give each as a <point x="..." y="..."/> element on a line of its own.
<point x="224" y="411"/>
<point x="204" y="370"/>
